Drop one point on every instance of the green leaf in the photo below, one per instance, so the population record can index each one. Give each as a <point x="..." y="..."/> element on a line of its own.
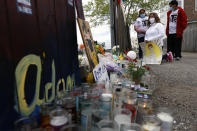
<point x="98" y="11"/>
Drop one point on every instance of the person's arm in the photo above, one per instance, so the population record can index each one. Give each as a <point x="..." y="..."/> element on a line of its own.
<point x="146" y="38"/>
<point x="161" y="31"/>
<point x="137" y="27"/>
<point x="183" y="19"/>
<point x="167" y="26"/>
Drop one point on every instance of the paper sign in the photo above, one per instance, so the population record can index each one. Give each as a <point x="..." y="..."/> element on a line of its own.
<point x="24" y="6"/>
<point x="100" y="73"/>
<point x="152" y="52"/>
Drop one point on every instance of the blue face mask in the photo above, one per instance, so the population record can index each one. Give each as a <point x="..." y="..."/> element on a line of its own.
<point x="171" y="9"/>
<point x="142" y="15"/>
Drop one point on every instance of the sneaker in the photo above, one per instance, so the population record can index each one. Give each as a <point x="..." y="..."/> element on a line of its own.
<point x="143" y="89"/>
<point x="177" y="58"/>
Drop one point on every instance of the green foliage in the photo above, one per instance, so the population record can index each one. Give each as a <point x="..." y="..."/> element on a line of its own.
<point x="98" y="10"/>
<point x="136" y="72"/>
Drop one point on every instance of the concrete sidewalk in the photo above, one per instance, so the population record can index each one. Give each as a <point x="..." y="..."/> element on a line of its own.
<point x="176" y="84"/>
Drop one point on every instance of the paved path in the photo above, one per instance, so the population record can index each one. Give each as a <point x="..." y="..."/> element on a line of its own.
<point x="176" y="84"/>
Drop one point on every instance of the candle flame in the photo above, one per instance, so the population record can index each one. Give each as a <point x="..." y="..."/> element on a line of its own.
<point x="145" y="105"/>
<point x="129" y="102"/>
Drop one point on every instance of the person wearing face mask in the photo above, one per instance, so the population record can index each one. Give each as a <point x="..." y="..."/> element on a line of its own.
<point x="140" y="27"/>
<point x="176" y="24"/>
<point x="156" y="29"/>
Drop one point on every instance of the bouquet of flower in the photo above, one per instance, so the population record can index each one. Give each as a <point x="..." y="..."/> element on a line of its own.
<point x="116" y="50"/>
<point x="136" y="72"/>
<point x="100" y="49"/>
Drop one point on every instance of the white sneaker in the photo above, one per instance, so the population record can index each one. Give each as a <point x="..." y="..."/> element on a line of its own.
<point x="177" y="58"/>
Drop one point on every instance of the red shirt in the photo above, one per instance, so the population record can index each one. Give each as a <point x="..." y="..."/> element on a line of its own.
<point x="181" y="22"/>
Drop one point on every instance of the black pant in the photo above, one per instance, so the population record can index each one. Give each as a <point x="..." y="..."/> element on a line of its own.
<point x="141" y="39"/>
<point x="174" y="45"/>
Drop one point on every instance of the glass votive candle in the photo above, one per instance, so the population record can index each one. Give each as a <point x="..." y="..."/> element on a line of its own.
<point x="144" y="109"/>
<point x="69" y="104"/>
<point x="25" y="124"/>
<point x="145" y="106"/>
<point x="85" y="87"/>
<point x="45" y="110"/>
<point x="100" y="84"/>
<point x="77" y="91"/>
<point x="72" y="127"/>
<point x="106" y="101"/>
<point x="126" y="84"/>
<point x="113" y="77"/>
<point x="130" y="103"/>
<point x="106" y="125"/>
<point x="122" y="116"/>
<point x="151" y="123"/>
<point x="58" y="118"/>
<point x="165" y="115"/>
<point x="130" y="127"/>
<point x="86" y="108"/>
<point x="93" y="94"/>
<point x="98" y="115"/>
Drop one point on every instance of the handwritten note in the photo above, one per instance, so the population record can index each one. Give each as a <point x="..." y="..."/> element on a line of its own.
<point x="100" y="73"/>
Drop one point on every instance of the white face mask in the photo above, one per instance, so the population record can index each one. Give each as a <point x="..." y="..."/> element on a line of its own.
<point x="152" y="20"/>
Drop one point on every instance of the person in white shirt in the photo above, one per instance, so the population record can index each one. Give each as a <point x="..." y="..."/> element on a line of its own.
<point x="156" y="29"/>
<point x="176" y="24"/>
<point x="140" y="27"/>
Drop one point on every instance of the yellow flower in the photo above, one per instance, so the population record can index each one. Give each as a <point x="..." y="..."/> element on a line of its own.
<point x="90" y="78"/>
<point x="121" y="57"/>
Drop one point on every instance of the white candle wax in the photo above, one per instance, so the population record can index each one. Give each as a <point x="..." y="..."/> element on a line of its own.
<point x="165" y="117"/>
<point x="122" y="119"/>
<point x="58" y="121"/>
<point x="167" y="121"/>
<point x="151" y="127"/>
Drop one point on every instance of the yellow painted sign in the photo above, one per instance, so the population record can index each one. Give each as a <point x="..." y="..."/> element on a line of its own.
<point x="88" y="42"/>
<point x="20" y="75"/>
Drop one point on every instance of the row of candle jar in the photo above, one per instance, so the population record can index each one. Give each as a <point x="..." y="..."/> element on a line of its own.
<point x="68" y="102"/>
<point x="94" y="106"/>
<point x="159" y="119"/>
<point x="118" y="106"/>
<point x="79" y="104"/>
<point x="127" y="99"/>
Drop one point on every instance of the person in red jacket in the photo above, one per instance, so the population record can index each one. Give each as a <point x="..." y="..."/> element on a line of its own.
<point x="176" y="24"/>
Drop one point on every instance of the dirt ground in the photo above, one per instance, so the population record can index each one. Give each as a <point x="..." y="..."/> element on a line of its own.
<point x="176" y="88"/>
